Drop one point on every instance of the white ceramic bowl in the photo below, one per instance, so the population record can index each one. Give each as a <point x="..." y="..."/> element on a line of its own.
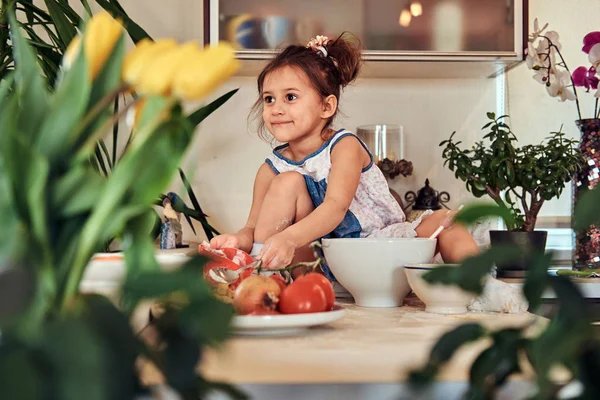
<point x="372" y="270"/>
<point x="438" y="299"/>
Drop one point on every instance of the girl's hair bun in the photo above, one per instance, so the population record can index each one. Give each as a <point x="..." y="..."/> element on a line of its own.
<point x="344" y="52"/>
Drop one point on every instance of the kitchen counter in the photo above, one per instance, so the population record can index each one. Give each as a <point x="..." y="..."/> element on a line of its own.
<point x="368" y="354"/>
<point x="368" y="345"/>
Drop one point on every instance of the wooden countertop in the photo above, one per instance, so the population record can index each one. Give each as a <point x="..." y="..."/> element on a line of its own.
<point x="375" y="345"/>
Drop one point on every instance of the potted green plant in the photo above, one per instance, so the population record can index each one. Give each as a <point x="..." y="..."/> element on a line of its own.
<point x="568" y="342"/>
<point x="518" y="179"/>
<point x="57" y="209"/>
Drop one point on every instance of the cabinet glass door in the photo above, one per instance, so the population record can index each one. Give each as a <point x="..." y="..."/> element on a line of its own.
<point x="381" y="25"/>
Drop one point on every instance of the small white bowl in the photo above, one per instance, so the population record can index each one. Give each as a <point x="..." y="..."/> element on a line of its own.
<point x="372" y="269"/>
<point x="438" y="299"/>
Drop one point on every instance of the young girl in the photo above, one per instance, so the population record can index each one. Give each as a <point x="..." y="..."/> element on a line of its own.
<point x="322" y="182"/>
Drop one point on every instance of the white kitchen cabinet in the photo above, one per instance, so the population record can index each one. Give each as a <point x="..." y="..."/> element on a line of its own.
<point x="450" y="38"/>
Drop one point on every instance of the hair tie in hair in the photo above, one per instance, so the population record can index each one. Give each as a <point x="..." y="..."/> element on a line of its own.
<point x="318" y="44"/>
<point x="323" y="50"/>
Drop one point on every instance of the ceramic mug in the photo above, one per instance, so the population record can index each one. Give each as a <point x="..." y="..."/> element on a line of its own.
<point x="276" y="29"/>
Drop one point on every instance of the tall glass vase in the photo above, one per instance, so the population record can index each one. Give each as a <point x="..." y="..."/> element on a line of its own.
<point x="587" y="242"/>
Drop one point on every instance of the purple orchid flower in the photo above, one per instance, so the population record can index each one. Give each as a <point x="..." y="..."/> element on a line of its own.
<point x="589" y="41"/>
<point x="585" y="77"/>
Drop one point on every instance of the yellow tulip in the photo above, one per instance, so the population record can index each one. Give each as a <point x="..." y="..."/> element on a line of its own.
<point x="205" y="71"/>
<point x="157" y="78"/>
<point x="101" y="35"/>
<point x="138" y="59"/>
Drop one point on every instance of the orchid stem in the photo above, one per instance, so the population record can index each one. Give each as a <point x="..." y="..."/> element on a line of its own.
<point x="564" y="63"/>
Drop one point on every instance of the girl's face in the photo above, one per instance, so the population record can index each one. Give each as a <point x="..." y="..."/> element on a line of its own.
<point x="293" y="110"/>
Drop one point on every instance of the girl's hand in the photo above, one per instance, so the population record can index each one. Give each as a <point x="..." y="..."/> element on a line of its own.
<point x="225" y="240"/>
<point x="277" y="252"/>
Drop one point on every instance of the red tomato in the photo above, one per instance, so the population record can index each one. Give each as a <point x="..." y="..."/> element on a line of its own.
<point x="302" y="297"/>
<point x="279" y="280"/>
<point x="324" y="283"/>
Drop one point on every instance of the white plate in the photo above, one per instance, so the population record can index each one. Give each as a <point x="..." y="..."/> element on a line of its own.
<point x="276" y="325"/>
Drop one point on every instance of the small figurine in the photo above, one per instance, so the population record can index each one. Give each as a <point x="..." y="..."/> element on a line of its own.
<point x="170" y="229"/>
<point x="426" y="198"/>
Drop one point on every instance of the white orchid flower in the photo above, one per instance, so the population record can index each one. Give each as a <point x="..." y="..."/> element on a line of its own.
<point x="554" y="38"/>
<point x="536" y="31"/>
<point x="546" y="53"/>
<point x="559" y="86"/>
<point x="541" y="76"/>
<point x="533" y="58"/>
<point x="594" y="56"/>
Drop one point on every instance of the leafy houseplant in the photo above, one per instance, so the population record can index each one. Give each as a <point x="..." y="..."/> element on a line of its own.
<point x="49" y="31"/>
<point x="568" y="340"/>
<point x="545" y="58"/>
<point x="518" y="179"/>
<point x="57" y="210"/>
<point x="59" y="24"/>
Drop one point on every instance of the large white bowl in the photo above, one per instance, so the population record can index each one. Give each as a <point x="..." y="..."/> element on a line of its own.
<point x="438" y="299"/>
<point x="372" y="270"/>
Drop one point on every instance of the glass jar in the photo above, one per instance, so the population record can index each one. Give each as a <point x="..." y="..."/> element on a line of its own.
<point x="384" y="141"/>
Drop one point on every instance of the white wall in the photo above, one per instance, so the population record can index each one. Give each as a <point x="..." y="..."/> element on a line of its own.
<point x="225" y="156"/>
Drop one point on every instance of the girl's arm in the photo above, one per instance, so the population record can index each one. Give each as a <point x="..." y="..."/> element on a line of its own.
<point x="245" y="236"/>
<point x="348" y="158"/>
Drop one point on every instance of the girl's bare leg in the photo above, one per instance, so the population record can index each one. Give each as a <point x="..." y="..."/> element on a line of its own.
<point x="286" y="202"/>
<point x="454" y="243"/>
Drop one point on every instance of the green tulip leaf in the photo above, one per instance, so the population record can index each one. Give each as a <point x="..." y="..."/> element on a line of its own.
<point x="66" y="110"/>
<point x="78" y="359"/>
<point x="64" y="27"/>
<point x="22" y="377"/>
<point x="29" y="82"/>
<point x="139" y="250"/>
<point x="76" y="192"/>
<point x="199" y="115"/>
<point x="157" y="284"/>
<point x="106" y="84"/>
<point x="114" y="332"/>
